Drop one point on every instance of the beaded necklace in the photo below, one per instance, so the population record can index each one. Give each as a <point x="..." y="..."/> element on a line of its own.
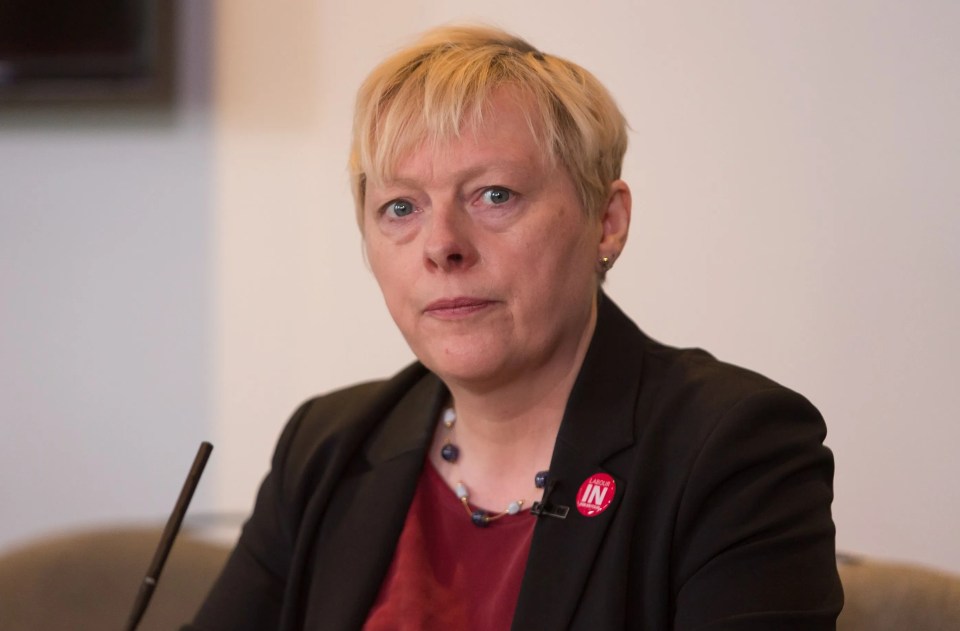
<point x="451" y="452"/>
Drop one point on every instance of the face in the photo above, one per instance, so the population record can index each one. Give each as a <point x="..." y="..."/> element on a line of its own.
<point x="485" y="258"/>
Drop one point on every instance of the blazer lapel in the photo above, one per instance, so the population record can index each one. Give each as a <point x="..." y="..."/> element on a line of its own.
<point x="366" y="514"/>
<point x="598" y="423"/>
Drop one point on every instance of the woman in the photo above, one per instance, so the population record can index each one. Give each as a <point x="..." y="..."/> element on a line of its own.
<point x="544" y="465"/>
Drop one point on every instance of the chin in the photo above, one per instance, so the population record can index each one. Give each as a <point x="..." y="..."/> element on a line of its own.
<point x="463" y="367"/>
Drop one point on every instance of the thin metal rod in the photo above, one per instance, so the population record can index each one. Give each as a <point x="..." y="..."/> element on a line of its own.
<point x="169" y="535"/>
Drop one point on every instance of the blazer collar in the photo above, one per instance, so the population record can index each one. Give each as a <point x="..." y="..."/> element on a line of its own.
<point x="354" y="548"/>
<point x="598" y="423"/>
<point x="598" y="420"/>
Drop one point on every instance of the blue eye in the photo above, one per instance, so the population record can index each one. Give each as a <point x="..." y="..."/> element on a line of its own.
<point x="399" y="208"/>
<point x="496" y="196"/>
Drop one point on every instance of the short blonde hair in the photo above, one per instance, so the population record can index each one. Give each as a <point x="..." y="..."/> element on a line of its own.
<point x="430" y="90"/>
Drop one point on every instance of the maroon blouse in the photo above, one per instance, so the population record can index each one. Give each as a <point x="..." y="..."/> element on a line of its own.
<point x="447" y="573"/>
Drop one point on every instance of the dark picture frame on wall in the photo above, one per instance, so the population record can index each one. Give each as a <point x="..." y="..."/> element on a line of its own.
<point x="94" y="51"/>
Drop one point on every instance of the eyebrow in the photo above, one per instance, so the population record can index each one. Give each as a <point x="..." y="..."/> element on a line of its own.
<point x="520" y="168"/>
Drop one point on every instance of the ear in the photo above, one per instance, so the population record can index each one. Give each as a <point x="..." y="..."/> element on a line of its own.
<point x="615" y="221"/>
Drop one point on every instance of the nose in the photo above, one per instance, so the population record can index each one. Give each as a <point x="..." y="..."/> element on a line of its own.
<point x="449" y="240"/>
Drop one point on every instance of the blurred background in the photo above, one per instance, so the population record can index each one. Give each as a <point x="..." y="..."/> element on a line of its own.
<point x="188" y="267"/>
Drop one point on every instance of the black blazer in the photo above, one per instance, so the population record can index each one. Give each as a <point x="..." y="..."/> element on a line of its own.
<point x="720" y="519"/>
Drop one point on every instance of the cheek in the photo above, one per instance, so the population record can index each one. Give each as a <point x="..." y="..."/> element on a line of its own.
<point x="394" y="276"/>
<point x="571" y="272"/>
<point x="569" y="245"/>
<point x="378" y="259"/>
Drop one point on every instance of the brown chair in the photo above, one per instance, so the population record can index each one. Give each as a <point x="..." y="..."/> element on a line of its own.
<point x="885" y="596"/>
<point x="88" y="581"/>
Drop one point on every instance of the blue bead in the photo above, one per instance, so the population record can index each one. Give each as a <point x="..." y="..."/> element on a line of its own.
<point x="450" y="452"/>
<point x="479" y="518"/>
<point x="541" y="479"/>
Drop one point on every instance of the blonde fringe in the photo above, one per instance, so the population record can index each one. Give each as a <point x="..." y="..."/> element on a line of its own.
<point x="429" y="92"/>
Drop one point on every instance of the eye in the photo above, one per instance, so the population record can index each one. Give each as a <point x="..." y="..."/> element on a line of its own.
<point x="496" y="195"/>
<point x="398" y="208"/>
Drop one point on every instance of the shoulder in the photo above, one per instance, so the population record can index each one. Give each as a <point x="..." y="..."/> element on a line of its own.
<point x="701" y="384"/>
<point x="720" y="416"/>
<point x="750" y="482"/>
<point x="681" y="397"/>
<point x="343" y="411"/>
<point x="325" y="430"/>
<point x="723" y="426"/>
<point x="727" y="467"/>
<point x="667" y="379"/>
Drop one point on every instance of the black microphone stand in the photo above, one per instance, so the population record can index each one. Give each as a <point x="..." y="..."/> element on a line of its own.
<point x="169" y="534"/>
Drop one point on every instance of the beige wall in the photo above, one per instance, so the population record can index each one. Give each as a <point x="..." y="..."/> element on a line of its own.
<point x="106" y="373"/>
<point x="794" y="167"/>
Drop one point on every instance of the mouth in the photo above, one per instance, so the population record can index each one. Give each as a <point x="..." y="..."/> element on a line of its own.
<point x="453" y="308"/>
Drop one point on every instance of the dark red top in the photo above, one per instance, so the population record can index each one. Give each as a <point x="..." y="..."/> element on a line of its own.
<point x="447" y="573"/>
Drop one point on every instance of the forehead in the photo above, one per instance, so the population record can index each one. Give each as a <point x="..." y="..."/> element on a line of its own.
<point x="500" y="130"/>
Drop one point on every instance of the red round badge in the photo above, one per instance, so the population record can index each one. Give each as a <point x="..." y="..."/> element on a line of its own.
<point x="595" y="494"/>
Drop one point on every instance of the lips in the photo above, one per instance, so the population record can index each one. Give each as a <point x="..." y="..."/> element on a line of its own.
<point x="458" y="307"/>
